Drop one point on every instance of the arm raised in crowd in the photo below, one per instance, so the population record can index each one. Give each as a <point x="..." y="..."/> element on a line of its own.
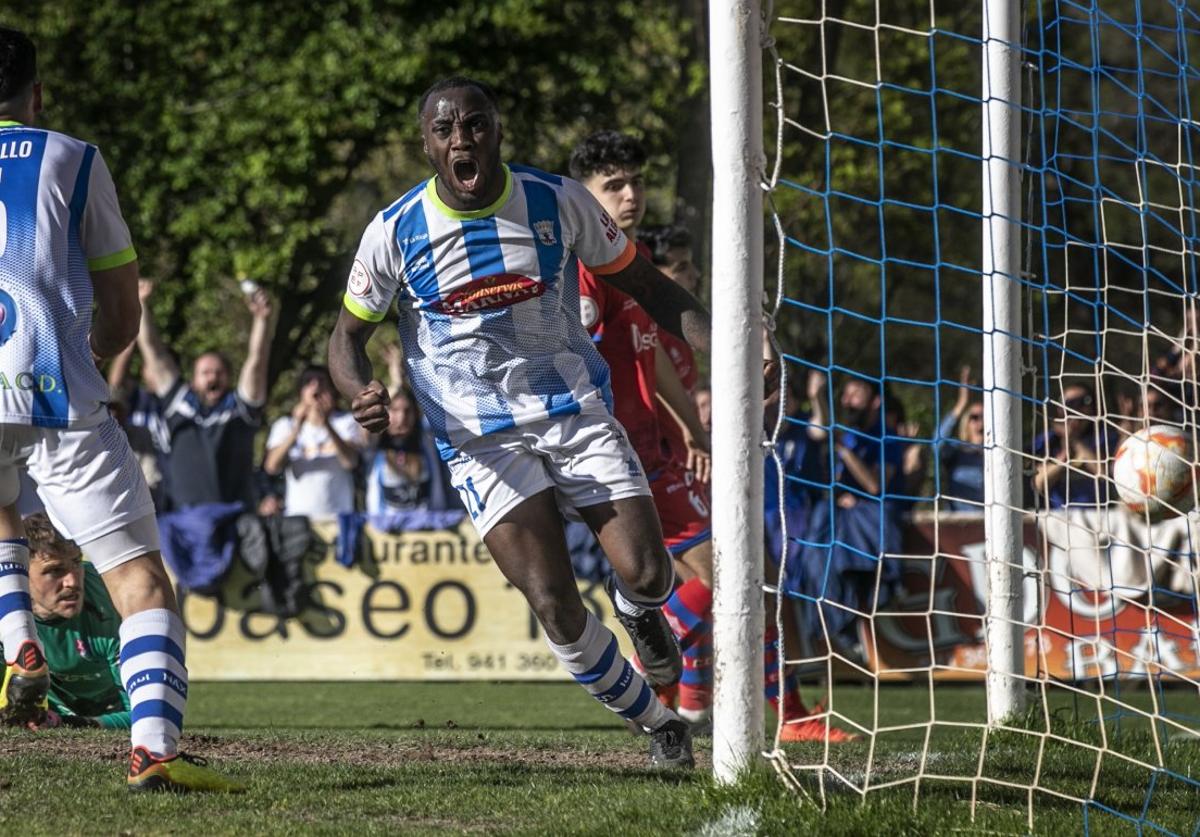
<point x="818" y="428"/>
<point x="159" y="367"/>
<point x="252" y="381"/>
<point x="277" y="455"/>
<point x="866" y="475"/>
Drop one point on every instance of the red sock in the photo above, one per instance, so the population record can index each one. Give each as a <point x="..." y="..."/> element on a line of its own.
<point x="695" y="687"/>
<point x="689" y="612"/>
<point x="787" y="692"/>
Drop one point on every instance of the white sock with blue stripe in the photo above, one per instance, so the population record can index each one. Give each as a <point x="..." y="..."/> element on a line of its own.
<point x="595" y="661"/>
<point x="16" y="618"/>
<point x="632" y="604"/>
<point x="155" y="678"/>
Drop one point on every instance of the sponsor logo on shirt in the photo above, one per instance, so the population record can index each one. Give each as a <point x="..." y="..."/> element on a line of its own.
<point x="8" y="317"/>
<point x="545" y="232"/>
<point x="360" y="280"/>
<point x="29" y="382"/>
<point x="643" y="341"/>
<point x="498" y="291"/>
<point x="611" y="230"/>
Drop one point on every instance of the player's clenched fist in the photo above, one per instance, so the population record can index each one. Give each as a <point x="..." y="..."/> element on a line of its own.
<point x="370" y="407"/>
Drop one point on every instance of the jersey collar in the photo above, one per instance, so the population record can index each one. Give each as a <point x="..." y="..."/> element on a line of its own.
<point x="11" y="123"/>
<point x="459" y="215"/>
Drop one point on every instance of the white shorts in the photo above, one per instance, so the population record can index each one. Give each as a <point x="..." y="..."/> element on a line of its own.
<point x="586" y="458"/>
<point x="90" y="483"/>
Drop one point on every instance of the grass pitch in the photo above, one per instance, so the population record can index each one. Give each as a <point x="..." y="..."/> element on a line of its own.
<point x="546" y="759"/>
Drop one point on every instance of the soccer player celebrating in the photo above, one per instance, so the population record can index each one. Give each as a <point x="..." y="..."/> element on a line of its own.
<point x="646" y="376"/>
<point x="514" y="390"/>
<point x="64" y="247"/>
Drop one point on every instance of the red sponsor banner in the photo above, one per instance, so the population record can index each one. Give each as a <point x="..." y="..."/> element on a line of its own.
<point x="498" y="291"/>
<point x="1104" y="595"/>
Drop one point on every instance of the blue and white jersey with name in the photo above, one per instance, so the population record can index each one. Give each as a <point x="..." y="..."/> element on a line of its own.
<point x="59" y="221"/>
<point x="491" y="331"/>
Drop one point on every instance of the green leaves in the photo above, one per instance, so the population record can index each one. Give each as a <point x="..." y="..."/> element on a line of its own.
<point x="257" y="139"/>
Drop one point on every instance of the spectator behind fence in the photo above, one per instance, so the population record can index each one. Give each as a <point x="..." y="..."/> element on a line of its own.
<point x="914" y="464"/>
<point x="317" y="448"/>
<point x="211" y="427"/>
<point x="78" y="627"/>
<point x="960" y="448"/>
<point x="1158" y="401"/>
<point x="801" y="447"/>
<point x="406" y="472"/>
<point x="844" y="563"/>
<point x="1076" y="451"/>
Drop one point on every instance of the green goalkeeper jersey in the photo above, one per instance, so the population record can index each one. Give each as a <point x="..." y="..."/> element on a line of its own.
<point x="84" y="655"/>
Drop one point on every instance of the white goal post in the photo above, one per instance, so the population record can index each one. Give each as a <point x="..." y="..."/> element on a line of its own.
<point x="735" y="59"/>
<point x="735" y="52"/>
<point x="1001" y="289"/>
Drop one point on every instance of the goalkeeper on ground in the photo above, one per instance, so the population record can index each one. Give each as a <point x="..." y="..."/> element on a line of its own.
<point x="77" y="624"/>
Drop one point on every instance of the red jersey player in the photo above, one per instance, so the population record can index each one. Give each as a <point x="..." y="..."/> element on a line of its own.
<point x="644" y="377"/>
<point x="670" y="248"/>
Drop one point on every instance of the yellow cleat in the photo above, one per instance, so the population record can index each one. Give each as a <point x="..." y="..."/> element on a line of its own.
<point x="181" y="773"/>
<point x="23" y="695"/>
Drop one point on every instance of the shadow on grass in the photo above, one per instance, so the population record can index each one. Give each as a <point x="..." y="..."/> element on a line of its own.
<point x="414" y="727"/>
<point x="378" y="783"/>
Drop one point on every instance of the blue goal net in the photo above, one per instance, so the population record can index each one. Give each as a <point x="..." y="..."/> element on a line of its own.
<point x="876" y="486"/>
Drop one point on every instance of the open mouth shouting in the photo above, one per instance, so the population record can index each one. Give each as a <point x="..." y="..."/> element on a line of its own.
<point x="466" y="174"/>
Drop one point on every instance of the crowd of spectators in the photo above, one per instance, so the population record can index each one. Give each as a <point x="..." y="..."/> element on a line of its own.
<point x="855" y="466"/>
<point x="853" y="477"/>
<point x="196" y="438"/>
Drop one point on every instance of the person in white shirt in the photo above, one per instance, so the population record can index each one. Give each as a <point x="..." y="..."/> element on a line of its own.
<point x="317" y="448"/>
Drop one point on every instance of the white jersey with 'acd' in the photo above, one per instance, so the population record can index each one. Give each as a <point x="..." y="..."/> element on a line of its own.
<point x="491" y="331"/>
<point x="59" y="220"/>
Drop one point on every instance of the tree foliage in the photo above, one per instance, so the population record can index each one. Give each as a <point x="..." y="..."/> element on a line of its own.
<point x="256" y="139"/>
<point x="883" y="266"/>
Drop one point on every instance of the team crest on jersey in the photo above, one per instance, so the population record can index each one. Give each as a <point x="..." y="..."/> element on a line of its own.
<point x="360" y="280"/>
<point x="8" y="317"/>
<point x="589" y="312"/>
<point x="498" y="291"/>
<point x="545" y="232"/>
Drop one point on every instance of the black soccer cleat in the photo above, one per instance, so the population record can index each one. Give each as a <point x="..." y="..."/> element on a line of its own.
<point x="671" y="746"/>
<point x="657" y="651"/>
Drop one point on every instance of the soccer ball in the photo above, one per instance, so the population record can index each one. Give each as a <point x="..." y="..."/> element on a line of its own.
<point x="1154" y="472"/>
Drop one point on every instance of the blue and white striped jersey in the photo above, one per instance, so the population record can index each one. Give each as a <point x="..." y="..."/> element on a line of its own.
<point x="59" y="220"/>
<point x="490" y="329"/>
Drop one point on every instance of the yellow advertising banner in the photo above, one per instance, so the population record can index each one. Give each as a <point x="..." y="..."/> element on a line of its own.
<point x="433" y="606"/>
<point x="425" y="606"/>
